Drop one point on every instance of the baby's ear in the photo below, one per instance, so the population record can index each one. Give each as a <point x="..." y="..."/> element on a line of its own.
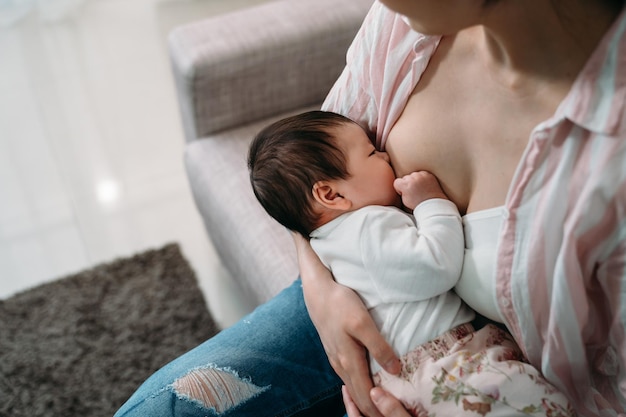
<point x="326" y="193"/>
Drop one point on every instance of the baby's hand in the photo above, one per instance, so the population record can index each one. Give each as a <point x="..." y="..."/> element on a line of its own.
<point x="418" y="187"/>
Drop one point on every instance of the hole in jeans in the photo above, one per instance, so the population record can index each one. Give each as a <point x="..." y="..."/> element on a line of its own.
<point x="216" y="389"/>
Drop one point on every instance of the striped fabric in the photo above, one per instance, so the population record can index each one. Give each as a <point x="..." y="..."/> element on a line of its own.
<point x="561" y="272"/>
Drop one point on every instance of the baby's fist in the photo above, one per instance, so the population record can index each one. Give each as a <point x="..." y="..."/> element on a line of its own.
<point x="417" y="187"/>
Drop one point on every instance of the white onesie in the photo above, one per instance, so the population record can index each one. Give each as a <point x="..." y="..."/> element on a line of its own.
<point x="403" y="267"/>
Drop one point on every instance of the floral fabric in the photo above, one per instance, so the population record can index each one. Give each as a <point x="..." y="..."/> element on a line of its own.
<point x="467" y="372"/>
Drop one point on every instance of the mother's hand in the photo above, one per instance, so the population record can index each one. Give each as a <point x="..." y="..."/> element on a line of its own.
<point x="347" y="332"/>
<point x="386" y="403"/>
<point x="345" y="327"/>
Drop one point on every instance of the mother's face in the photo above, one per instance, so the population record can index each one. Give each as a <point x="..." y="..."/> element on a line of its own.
<point x="439" y="17"/>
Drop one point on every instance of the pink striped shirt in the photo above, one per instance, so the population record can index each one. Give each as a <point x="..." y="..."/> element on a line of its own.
<point x="561" y="270"/>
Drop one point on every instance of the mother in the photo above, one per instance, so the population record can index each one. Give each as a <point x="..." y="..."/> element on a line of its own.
<point x="538" y="85"/>
<point x="518" y="107"/>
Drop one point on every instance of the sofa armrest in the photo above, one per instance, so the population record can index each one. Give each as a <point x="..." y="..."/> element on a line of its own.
<point x="257" y="62"/>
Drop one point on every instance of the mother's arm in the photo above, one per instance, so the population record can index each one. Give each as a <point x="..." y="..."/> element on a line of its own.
<point x="345" y="327"/>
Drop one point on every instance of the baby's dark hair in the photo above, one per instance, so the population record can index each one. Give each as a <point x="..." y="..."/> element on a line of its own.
<point x="287" y="158"/>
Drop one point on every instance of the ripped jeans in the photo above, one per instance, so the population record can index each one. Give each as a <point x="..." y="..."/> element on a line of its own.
<point x="271" y="363"/>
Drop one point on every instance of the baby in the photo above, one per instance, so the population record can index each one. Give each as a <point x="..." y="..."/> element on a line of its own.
<point x="318" y="174"/>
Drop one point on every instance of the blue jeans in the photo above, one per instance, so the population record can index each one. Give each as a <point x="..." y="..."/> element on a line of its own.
<point x="271" y="363"/>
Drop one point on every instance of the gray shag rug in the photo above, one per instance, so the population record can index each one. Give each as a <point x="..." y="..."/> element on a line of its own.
<point x="81" y="345"/>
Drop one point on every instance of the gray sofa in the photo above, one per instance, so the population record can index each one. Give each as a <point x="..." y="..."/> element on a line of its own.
<point x="234" y="74"/>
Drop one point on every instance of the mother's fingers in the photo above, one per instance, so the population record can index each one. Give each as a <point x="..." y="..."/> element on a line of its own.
<point x="387" y="404"/>
<point x="351" y="409"/>
<point x="363" y="329"/>
<point x="355" y="367"/>
<point x="358" y="383"/>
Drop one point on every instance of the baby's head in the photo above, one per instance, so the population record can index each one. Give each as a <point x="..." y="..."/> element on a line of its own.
<point x="308" y="169"/>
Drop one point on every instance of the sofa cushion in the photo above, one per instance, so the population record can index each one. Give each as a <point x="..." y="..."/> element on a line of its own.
<point x="260" y="61"/>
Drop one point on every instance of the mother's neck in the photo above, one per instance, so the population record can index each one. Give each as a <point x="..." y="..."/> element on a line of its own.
<point x="541" y="40"/>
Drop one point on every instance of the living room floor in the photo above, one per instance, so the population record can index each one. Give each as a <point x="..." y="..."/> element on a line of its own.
<point x="91" y="143"/>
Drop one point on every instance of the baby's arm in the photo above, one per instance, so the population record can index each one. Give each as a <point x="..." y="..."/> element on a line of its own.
<point x="418" y="187"/>
<point x="422" y="261"/>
